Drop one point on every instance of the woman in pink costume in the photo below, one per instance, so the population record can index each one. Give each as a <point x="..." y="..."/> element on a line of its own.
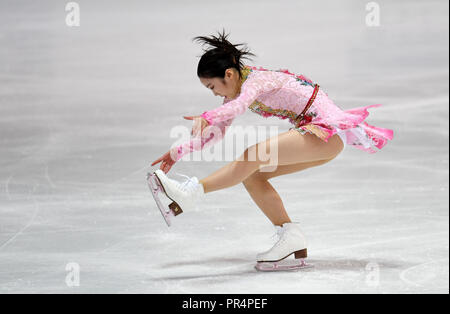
<point x="316" y="137"/>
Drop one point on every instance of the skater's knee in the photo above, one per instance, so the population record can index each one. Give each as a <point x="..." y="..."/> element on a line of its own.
<point x="252" y="156"/>
<point x="255" y="178"/>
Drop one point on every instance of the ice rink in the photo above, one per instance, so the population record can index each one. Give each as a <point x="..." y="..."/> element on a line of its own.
<point x="85" y="110"/>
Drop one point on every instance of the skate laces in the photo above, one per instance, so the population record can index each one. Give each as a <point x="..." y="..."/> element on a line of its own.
<point x="277" y="235"/>
<point x="186" y="182"/>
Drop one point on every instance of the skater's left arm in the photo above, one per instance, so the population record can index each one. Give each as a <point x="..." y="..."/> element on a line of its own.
<point x="210" y="135"/>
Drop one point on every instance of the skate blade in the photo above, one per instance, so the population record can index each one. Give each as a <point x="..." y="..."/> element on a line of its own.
<point x="155" y="188"/>
<point x="174" y="207"/>
<point x="285" y="265"/>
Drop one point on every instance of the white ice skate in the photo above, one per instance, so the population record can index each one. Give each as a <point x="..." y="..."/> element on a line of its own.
<point x="168" y="212"/>
<point x="184" y="195"/>
<point x="290" y="241"/>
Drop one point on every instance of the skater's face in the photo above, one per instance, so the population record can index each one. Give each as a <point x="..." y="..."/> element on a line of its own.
<point x="228" y="87"/>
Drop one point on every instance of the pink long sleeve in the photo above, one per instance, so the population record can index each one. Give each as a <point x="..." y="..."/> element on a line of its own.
<point x="212" y="137"/>
<point x="257" y="84"/>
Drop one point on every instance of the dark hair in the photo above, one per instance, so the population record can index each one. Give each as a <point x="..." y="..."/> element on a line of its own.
<point x="222" y="56"/>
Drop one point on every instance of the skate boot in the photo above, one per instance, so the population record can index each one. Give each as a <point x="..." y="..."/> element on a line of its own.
<point x="185" y="195"/>
<point x="290" y="241"/>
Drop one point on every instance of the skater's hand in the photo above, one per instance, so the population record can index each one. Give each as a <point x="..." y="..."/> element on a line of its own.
<point x="199" y="124"/>
<point x="166" y="161"/>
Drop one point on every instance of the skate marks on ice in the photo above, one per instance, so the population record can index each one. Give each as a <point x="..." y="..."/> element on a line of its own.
<point x="233" y="268"/>
<point x="35" y="206"/>
<point x="29" y="196"/>
<point x="212" y="267"/>
<point x="215" y="274"/>
<point x="415" y="273"/>
<point x="419" y="275"/>
<point x="316" y="264"/>
<point x="35" y="190"/>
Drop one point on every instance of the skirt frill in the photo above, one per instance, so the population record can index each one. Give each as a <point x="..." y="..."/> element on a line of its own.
<point x="359" y="133"/>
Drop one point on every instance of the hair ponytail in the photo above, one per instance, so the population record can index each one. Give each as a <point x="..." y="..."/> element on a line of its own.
<point x="223" y="55"/>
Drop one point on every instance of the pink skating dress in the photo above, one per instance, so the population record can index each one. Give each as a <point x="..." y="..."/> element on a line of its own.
<point x="285" y="95"/>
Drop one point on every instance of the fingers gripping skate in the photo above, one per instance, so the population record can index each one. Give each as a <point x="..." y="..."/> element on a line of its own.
<point x="155" y="187"/>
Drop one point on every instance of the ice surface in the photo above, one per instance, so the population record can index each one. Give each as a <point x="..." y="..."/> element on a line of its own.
<point x="84" y="111"/>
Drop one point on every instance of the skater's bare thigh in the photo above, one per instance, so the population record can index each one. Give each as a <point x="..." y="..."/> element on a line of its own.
<point x="291" y="148"/>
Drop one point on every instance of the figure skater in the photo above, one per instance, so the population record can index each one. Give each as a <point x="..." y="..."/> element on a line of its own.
<point x="319" y="133"/>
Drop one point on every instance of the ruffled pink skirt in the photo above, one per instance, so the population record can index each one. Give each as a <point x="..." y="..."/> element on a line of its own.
<point x="352" y="129"/>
